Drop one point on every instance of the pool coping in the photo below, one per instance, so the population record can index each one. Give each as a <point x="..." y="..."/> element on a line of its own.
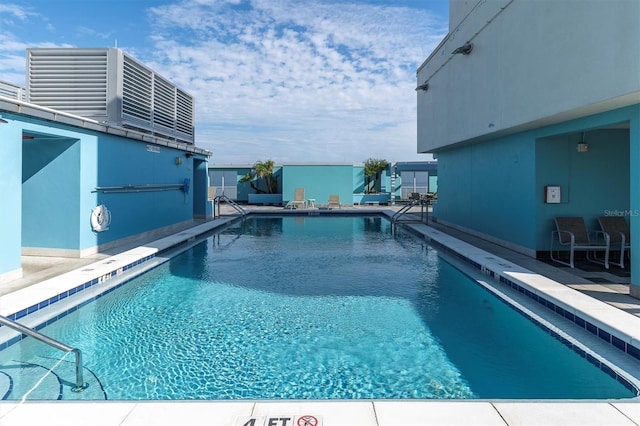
<point x="612" y="325"/>
<point x="328" y="413"/>
<point x="366" y="413"/>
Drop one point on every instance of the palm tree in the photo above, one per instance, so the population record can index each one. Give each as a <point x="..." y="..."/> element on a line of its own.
<point x="373" y="167"/>
<point x="262" y="171"/>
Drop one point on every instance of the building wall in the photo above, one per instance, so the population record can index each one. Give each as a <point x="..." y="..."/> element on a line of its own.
<point x="476" y="195"/>
<point x="318" y="181"/>
<point x="593" y="183"/>
<point x="496" y="188"/>
<point x="123" y="162"/>
<point x="11" y="196"/>
<point x="533" y="64"/>
<point x="49" y="186"/>
<point x="345" y="180"/>
<point x="51" y="193"/>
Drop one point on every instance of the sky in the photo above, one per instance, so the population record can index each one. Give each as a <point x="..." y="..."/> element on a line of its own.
<point x="293" y="81"/>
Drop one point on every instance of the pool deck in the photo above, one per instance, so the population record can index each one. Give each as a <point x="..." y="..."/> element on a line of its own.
<point x="605" y="299"/>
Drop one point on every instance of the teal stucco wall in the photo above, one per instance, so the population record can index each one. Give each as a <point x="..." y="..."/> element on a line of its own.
<point x="49" y="188"/>
<point x="11" y="196"/>
<point x="496" y="187"/>
<point x="318" y="181"/>
<point x="489" y="187"/>
<point x="51" y="193"/>
<point x="593" y="183"/>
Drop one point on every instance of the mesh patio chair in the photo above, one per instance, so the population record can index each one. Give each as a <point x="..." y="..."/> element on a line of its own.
<point x="619" y="237"/>
<point x="572" y="233"/>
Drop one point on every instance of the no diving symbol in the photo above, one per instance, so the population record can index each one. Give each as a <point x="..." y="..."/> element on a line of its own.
<point x="307" y="421"/>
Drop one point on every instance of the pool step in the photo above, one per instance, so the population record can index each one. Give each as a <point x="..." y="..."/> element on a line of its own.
<point x="33" y="381"/>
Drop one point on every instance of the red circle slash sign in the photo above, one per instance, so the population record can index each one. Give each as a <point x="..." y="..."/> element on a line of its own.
<point x="307" y="421"/>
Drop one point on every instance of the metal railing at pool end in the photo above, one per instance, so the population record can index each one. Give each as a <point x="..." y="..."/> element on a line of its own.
<point x="236" y="206"/>
<point x="405" y="209"/>
<point x="80" y="384"/>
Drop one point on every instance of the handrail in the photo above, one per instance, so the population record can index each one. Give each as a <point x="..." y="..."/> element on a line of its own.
<point x="236" y="207"/>
<point x="80" y="384"/>
<point x="396" y="216"/>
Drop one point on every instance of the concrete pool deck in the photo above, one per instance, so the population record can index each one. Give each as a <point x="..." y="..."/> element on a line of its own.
<point x="51" y="275"/>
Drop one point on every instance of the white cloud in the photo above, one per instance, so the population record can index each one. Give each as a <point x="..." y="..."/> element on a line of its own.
<point x="12" y="49"/>
<point x="282" y="79"/>
<point x="13" y="10"/>
<point x="318" y="82"/>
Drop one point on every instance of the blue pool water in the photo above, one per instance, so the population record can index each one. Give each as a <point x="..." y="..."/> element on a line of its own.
<point x="316" y="308"/>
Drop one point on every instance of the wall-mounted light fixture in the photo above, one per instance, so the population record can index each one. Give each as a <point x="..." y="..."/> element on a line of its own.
<point x="465" y="49"/>
<point x="582" y="145"/>
<point x="424" y="87"/>
<point x="188" y="155"/>
<point x="178" y="161"/>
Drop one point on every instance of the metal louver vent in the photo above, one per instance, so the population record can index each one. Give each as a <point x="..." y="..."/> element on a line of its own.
<point x="164" y="103"/>
<point x="136" y="91"/>
<point x="185" y="114"/>
<point x="109" y="85"/>
<point x="70" y="80"/>
<point x="12" y="91"/>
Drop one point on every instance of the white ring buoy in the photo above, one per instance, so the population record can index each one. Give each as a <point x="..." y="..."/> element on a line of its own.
<point x="100" y="218"/>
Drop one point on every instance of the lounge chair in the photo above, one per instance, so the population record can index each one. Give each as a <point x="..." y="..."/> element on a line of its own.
<point x="618" y="230"/>
<point x="211" y="193"/>
<point x="334" y="200"/>
<point x="298" y="199"/>
<point x="572" y="232"/>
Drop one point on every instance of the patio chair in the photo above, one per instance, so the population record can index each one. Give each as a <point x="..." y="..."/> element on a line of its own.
<point x="334" y="200"/>
<point x="619" y="237"/>
<point x="572" y="232"/>
<point x="211" y="194"/>
<point x="298" y="199"/>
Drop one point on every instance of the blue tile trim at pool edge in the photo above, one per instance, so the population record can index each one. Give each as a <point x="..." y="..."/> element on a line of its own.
<point x="581" y="322"/>
<point x="114" y="273"/>
<point x="41" y="305"/>
<point x="612" y="340"/>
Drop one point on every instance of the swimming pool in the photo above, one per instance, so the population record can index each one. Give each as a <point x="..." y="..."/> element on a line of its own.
<point x="314" y="308"/>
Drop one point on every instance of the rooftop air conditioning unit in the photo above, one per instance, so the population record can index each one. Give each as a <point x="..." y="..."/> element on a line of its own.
<point x="109" y="86"/>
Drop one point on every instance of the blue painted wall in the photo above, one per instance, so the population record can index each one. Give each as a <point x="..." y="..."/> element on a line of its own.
<point x="593" y="183"/>
<point x="359" y="180"/>
<point x="200" y="183"/>
<point x="318" y="181"/>
<point x="123" y="162"/>
<point x="51" y="192"/>
<point x="488" y="188"/>
<point x="634" y="198"/>
<point x="10" y="196"/>
<point x="49" y="179"/>
<point x="496" y="187"/>
<point x="244" y="189"/>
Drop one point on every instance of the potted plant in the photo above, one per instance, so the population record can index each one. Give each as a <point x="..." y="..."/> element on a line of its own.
<point x="264" y="182"/>
<point x="373" y="169"/>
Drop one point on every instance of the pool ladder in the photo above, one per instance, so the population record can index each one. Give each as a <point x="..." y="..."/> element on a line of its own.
<point x="405" y="209"/>
<point x="236" y="206"/>
<point x="80" y="384"/>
